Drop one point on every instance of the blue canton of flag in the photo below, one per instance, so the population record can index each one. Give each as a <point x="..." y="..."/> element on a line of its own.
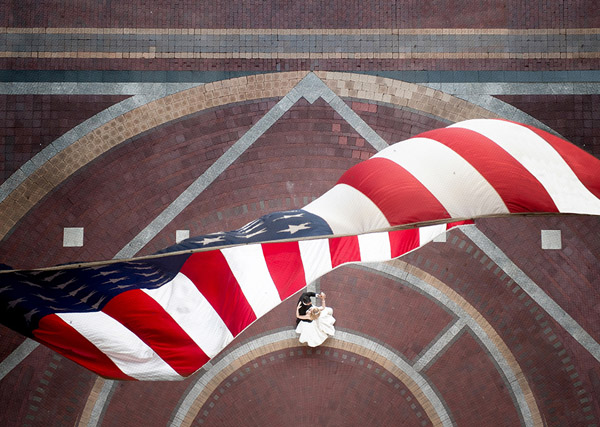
<point x="27" y="296"/>
<point x="274" y="226"/>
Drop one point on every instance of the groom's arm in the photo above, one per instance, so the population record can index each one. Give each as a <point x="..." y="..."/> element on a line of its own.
<point x="301" y="316"/>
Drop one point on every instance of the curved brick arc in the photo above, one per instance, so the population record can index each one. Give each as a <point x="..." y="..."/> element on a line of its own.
<point x="276" y="85"/>
<point x="90" y="410"/>
<point x="231" y="362"/>
<point x="483" y="329"/>
<point x="402" y="94"/>
<point x="339" y="400"/>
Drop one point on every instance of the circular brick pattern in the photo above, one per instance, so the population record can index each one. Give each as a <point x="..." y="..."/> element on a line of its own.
<point x="317" y="386"/>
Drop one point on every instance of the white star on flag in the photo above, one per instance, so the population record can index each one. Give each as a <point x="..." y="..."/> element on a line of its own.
<point x="293" y="228"/>
<point x="209" y="240"/>
<point x="288" y="216"/>
<point x="256" y="233"/>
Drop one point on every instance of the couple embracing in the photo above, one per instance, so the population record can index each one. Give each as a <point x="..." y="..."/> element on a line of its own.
<point x="314" y="324"/>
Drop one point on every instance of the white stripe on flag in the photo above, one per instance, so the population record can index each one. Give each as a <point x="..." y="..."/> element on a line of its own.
<point x="463" y="191"/>
<point x="123" y="347"/>
<point x="374" y="247"/>
<point x="248" y="265"/>
<point x="430" y="232"/>
<point x="191" y="310"/>
<point x="316" y="258"/>
<point x="542" y="160"/>
<point x="348" y="211"/>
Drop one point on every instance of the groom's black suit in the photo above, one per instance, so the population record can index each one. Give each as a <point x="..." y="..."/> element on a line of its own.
<point x="304" y="307"/>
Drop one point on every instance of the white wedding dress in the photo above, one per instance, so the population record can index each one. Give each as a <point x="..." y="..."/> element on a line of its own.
<point x="316" y="332"/>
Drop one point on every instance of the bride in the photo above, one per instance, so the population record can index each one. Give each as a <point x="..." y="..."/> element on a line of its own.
<point x="316" y="325"/>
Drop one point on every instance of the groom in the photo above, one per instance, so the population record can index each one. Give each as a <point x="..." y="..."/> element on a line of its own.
<point x="304" y="304"/>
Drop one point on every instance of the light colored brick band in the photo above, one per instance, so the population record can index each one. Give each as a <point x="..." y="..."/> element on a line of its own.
<point x="299" y="55"/>
<point x="300" y="31"/>
<point x="402" y="94"/>
<point x="383" y="43"/>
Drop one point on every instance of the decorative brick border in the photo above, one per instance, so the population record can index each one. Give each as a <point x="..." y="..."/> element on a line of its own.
<point x="236" y="359"/>
<point x="402" y="94"/>
<point x="303" y="43"/>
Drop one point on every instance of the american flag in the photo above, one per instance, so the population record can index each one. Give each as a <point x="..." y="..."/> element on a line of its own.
<point x="163" y="317"/>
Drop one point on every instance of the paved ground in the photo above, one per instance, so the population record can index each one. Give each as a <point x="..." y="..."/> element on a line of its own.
<point x="109" y="112"/>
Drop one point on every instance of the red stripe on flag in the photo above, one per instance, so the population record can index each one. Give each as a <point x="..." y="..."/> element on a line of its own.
<point x="403" y="241"/>
<point x="285" y="267"/>
<point x="54" y="332"/>
<point x="146" y="318"/>
<point x="457" y="223"/>
<point x="399" y="195"/>
<point x="583" y="164"/>
<point x="344" y="249"/>
<point x="212" y="276"/>
<point x="518" y="188"/>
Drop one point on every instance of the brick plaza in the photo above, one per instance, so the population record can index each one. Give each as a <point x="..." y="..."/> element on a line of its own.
<point x="108" y="112"/>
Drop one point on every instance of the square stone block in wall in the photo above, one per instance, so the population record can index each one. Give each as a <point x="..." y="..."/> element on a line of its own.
<point x="551" y="239"/>
<point x="72" y="237"/>
<point x="181" y="235"/>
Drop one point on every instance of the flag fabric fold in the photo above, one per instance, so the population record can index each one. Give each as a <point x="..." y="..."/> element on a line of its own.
<point x="164" y="317"/>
